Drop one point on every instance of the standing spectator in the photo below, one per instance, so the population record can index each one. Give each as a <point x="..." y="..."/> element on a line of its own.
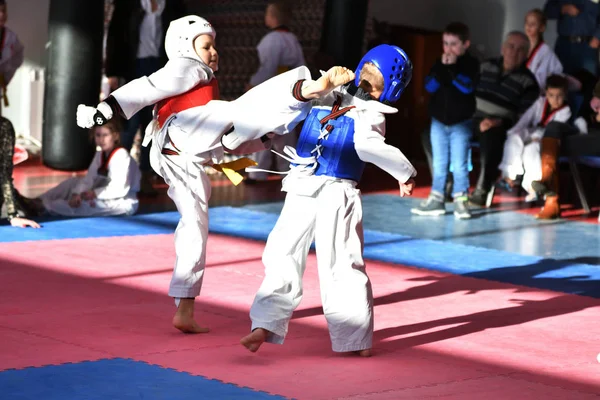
<point x="542" y="60"/>
<point x="9" y="196"/>
<point x="11" y="53"/>
<point x="451" y="83"/>
<point x="578" y="33"/>
<point x="506" y="89"/>
<point x="11" y="58"/>
<point x="135" y="48"/>
<point x="278" y="51"/>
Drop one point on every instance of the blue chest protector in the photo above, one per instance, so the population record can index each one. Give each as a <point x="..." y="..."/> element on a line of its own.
<point x="337" y="158"/>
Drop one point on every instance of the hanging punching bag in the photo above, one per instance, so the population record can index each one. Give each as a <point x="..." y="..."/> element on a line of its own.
<point x="74" y="69"/>
<point x="343" y="31"/>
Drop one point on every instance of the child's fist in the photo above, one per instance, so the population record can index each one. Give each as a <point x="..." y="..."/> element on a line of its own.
<point x="334" y="77"/>
<point x="338" y="76"/>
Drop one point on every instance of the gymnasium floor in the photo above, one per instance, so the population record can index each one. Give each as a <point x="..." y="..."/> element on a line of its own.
<point x="502" y="306"/>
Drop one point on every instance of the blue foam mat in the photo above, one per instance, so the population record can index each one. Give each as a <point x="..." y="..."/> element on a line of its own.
<point x="79" y="228"/>
<point x="508" y="246"/>
<point x="116" y="379"/>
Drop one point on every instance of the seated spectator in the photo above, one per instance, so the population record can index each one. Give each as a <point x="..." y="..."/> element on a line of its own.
<point x="542" y="60"/>
<point x="16" y="207"/>
<point x="110" y="186"/>
<point x="556" y="132"/>
<point x="506" y="89"/>
<point x="451" y="82"/>
<point x="522" y="147"/>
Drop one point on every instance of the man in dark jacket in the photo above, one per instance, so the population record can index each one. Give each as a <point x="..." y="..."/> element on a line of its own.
<point x="135" y="48"/>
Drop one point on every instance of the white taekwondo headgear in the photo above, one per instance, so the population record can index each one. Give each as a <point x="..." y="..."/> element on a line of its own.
<point x="179" y="41"/>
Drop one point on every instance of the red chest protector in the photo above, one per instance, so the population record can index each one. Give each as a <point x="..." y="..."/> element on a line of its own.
<point x="197" y="96"/>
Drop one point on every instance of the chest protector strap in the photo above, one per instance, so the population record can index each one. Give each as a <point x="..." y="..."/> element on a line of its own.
<point x="328" y="138"/>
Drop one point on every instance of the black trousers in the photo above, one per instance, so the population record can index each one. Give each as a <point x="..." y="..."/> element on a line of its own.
<point x="491" y="149"/>
<point x="572" y="142"/>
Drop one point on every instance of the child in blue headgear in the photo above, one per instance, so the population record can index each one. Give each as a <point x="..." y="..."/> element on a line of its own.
<point x="344" y="128"/>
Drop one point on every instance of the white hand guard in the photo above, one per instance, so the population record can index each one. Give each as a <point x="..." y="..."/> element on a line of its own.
<point x="85" y="116"/>
<point x="90" y="116"/>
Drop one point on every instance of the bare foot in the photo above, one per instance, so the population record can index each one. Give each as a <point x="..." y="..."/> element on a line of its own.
<point x="364" y="353"/>
<point x="254" y="340"/>
<point x="184" y="318"/>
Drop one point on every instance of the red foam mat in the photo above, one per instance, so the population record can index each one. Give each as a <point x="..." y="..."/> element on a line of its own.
<point x="437" y="335"/>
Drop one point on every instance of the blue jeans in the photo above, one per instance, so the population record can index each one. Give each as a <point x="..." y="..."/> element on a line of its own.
<point x="451" y="144"/>
<point x="576" y="56"/>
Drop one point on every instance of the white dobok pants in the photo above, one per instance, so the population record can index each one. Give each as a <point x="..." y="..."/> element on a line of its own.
<point x="190" y="189"/>
<point x="333" y="218"/>
<point x="521" y="159"/>
<point x="56" y="202"/>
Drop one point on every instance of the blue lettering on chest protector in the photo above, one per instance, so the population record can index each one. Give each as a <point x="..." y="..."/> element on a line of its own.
<point x="338" y="157"/>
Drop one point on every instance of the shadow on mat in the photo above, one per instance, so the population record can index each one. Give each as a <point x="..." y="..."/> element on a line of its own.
<point x="524" y="275"/>
<point x="526" y="311"/>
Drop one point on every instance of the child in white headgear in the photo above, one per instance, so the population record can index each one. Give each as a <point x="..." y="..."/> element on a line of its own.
<point x="186" y="133"/>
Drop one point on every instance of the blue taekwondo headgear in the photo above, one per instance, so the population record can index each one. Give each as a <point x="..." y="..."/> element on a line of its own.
<point x="394" y="65"/>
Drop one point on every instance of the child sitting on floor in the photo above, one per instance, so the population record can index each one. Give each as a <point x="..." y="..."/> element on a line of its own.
<point x="109" y="188"/>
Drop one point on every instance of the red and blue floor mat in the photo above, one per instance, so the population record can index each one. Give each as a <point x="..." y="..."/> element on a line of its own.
<point x="117" y="379"/>
<point x="84" y="312"/>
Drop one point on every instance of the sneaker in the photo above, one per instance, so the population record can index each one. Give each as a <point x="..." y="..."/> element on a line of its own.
<point x="433" y="205"/>
<point x="461" y="208"/>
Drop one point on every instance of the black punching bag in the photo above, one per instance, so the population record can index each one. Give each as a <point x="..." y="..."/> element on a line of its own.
<point x="74" y="73"/>
<point x="343" y="31"/>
